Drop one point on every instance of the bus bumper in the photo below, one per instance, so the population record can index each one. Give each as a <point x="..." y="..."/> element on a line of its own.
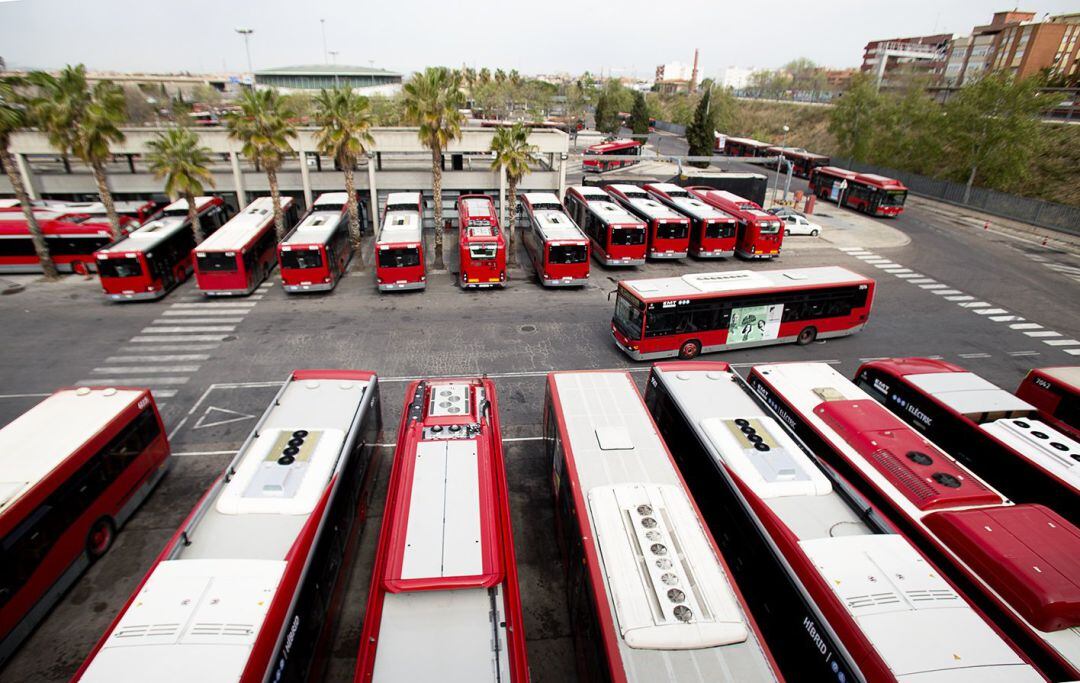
<point x="565" y="282"/>
<point x="314" y="287"/>
<point x="667" y="254"/>
<point x="713" y="254"/>
<point x="622" y="261"/>
<point x="748" y="255"/>
<point x="136" y="296"/>
<point x="638" y="355"/>
<point x="227" y="292"/>
<point x="401" y="286"/>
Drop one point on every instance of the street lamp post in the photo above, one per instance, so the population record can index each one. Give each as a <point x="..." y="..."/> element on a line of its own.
<point x="334" y="54"/>
<point x="246" y="32"/>
<point x="322" y="24"/>
<point x="779" y="160"/>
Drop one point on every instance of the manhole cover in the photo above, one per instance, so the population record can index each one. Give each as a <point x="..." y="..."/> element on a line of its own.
<point x="527" y="328"/>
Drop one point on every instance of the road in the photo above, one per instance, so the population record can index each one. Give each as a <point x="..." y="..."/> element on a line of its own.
<point x="215" y="365"/>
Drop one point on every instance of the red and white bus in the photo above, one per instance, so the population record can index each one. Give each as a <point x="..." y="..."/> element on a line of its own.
<point x="137" y="211"/>
<point x="444" y="602"/>
<point x="71" y="239"/>
<point x="704" y="312"/>
<point x="1056" y="393"/>
<point x="745" y="147"/>
<point x="802" y="162"/>
<point x="594" y="162"/>
<point x="651" y="598"/>
<point x="867" y="192"/>
<point x="805" y="546"/>
<point x="999" y="436"/>
<point x="236" y="258"/>
<point x="559" y="251"/>
<point x="316" y="253"/>
<point x="760" y="234"/>
<point x="73" y="469"/>
<point x="1015" y="562"/>
<point x="481" y="244"/>
<point x="668" y="230"/>
<point x="399" y="250"/>
<point x="712" y="232"/>
<point x="617" y="237"/>
<point x="249" y="586"/>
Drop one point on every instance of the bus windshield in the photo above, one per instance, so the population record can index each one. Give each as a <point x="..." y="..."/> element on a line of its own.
<point x="717" y="230"/>
<point x="770" y="228"/>
<point x="301" y="258"/>
<point x="216" y="261"/>
<point x="400" y="257"/>
<point x="567" y="253"/>
<point x="627" y="235"/>
<point x="127" y="266"/>
<point x="893" y="197"/>
<point x="483" y="251"/>
<point x="629" y="312"/>
<point x="671" y="231"/>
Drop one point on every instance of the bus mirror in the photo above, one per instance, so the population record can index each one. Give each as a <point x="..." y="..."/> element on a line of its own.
<point x="614" y="291"/>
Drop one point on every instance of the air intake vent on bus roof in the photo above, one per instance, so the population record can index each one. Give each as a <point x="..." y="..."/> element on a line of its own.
<point x="723" y="281"/>
<point x="449" y="399"/>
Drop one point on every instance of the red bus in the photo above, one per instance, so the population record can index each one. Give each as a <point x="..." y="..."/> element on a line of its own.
<point x="802" y="162"/>
<point x="867" y="192"/>
<point x="1056" y="393"/>
<point x="236" y="258"/>
<point x="651" y="598"/>
<point x="316" y="253"/>
<point x="756" y="486"/>
<point x="71" y="239"/>
<point x="73" y="469"/>
<point x="617" y="237"/>
<point x="399" y="250"/>
<point x="594" y="161"/>
<point x="704" y="312"/>
<point x="745" y="147"/>
<point x="759" y="234"/>
<point x="668" y="230"/>
<point x="444" y="602"/>
<point x="559" y="251"/>
<point x="712" y="232"/>
<point x="1017" y="563"/>
<point x="481" y="245"/>
<point x="249" y="586"/>
<point x="137" y="211"/>
<point x="999" y="436"/>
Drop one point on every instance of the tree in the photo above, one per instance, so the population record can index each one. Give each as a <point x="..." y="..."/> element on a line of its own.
<point x="639" y="115"/>
<point x="82" y="121"/>
<point x="177" y="156"/>
<point x="344" y="121"/>
<point x="512" y="154"/>
<point x="908" y="130"/>
<point x="852" y="120"/>
<point x="607" y="117"/>
<point x="14" y="114"/>
<point x="700" y="134"/>
<point x="263" y="127"/>
<point x="386" y="111"/>
<point x="433" y="100"/>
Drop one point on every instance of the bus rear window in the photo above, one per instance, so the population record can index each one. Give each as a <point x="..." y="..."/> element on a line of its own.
<point x="715" y="230"/>
<point x="671" y="231"/>
<point x="770" y="228"/>
<point x="401" y="257"/>
<point x="127" y="266"/>
<point x="629" y="312"/>
<point x="216" y="261"/>
<point x="483" y="251"/>
<point x="627" y="235"/>
<point x="301" y="258"/>
<point x="567" y="253"/>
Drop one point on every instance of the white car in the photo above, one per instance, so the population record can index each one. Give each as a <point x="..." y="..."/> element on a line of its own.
<point x="795" y="224"/>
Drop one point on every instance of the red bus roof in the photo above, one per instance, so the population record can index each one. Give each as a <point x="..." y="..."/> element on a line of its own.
<point x="879" y="181"/>
<point x="735" y="282"/>
<point x="614" y="145"/>
<point x="244" y="226"/>
<point x="53" y="223"/>
<point x="836" y="171"/>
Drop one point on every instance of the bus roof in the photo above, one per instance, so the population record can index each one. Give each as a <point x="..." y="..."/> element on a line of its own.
<point x="699" y="210"/>
<point x="613" y="145"/>
<point x="34" y="444"/>
<point x="1066" y="375"/>
<point x="400" y="226"/>
<point x="53" y="223"/>
<point x="610" y="212"/>
<point x="668" y="188"/>
<point x="541" y="198"/>
<point x="478" y="207"/>
<point x="334" y="199"/>
<point x="837" y="171"/>
<point x="317" y="226"/>
<point x="591" y="193"/>
<point x="556" y="225"/>
<point x="179" y="205"/>
<point x="655" y="210"/>
<point x="148" y="236"/>
<point x="749" y="142"/>
<point x="967" y="393"/>
<point x="738" y="281"/>
<point x="242" y="227"/>
<point x="879" y="181"/>
<point x="397" y="198"/>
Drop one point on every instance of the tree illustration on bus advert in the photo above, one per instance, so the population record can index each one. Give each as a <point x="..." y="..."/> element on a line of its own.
<point x="754" y="323"/>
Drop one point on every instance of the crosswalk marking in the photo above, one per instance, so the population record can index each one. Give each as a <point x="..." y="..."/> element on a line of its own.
<point x="136" y="381"/>
<point x="975" y="304"/>
<point x="936" y="285"/>
<point x="193" y="328"/>
<point x="170" y="347"/>
<point x="1024" y="353"/>
<point x="217" y="304"/>
<point x="991" y="311"/>
<point x="201" y="312"/>
<point x="158" y="359"/>
<point x="1026" y="326"/>
<point x="1043" y="333"/>
<point x="922" y="280"/>
<point x="136" y="369"/>
<point x="908" y="276"/>
<point x="179" y="338"/>
<point x="1072" y="352"/>
<point x="1004" y="318"/>
<point x="946" y="292"/>
<point x="1061" y="342"/>
<point x="962" y="297"/>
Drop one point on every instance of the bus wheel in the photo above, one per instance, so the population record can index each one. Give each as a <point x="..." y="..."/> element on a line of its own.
<point x="100" y="538"/>
<point x="689" y="349"/>
<point x="805" y="337"/>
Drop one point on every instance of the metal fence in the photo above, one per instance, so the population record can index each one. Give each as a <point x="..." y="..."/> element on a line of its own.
<point x="668" y="127"/>
<point x="1035" y="211"/>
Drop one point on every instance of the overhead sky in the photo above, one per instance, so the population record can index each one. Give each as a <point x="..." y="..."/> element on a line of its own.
<point x="625" y="37"/>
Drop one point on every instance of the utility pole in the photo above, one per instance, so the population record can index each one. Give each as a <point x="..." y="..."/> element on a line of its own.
<point x="246" y="32"/>
<point x="322" y="24"/>
<point x="334" y="54"/>
<point x="779" y="160"/>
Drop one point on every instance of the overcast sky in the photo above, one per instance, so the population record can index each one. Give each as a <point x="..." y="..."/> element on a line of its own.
<point x="623" y="37"/>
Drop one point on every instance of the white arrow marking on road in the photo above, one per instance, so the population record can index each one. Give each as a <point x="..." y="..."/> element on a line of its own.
<point x="236" y="417"/>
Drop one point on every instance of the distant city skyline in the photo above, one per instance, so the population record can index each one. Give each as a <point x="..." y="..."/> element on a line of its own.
<point x="121" y="35"/>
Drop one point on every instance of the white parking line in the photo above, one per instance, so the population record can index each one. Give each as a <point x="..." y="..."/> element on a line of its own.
<point x="962" y="297"/>
<point x="135" y="381"/>
<point x="1026" y="326"/>
<point x="1061" y="342"/>
<point x="195" y="328"/>
<point x="922" y="280"/>
<point x="202" y="312"/>
<point x="1005" y="318"/>
<point x="217" y="304"/>
<point x="158" y="359"/>
<point x="1043" y="333"/>
<point x="166" y="347"/>
<point x="975" y="304"/>
<point x="936" y="285"/>
<point x="909" y="276"/>
<point x="974" y="355"/>
<point x="196" y="321"/>
<point x="179" y="338"/>
<point x="136" y="369"/>
<point x="1072" y="352"/>
<point x="991" y="311"/>
<point x="1024" y="353"/>
<point x="946" y="292"/>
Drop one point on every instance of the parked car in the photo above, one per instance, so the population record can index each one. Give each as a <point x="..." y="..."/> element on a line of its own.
<point x="795" y="223"/>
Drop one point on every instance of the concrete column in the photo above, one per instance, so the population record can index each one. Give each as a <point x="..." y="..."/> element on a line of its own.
<point x="374" y="208"/>
<point x="27" y="178"/>
<point x="562" y="177"/>
<point x="502" y="197"/>
<point x="238" y="180"/>
<point x="304" y="179"/>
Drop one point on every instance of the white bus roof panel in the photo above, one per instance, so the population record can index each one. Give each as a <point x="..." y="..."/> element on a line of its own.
<point x="967" y="393"/>
<point x="37" y="441"/>
<point x="148" y="236"/>
<point x="410" y="198"/>
<point x="334" y="199"/>
<point x="316" y="228"/>
<point x="181" y="204"/>
<point x="400" y="226"/>
<point x="1042" y="443"/>
<point x="609" y="212"/>
<point x="541" y="198"/>
<point x="242" y="227"/>
<point x="556" y="225"/>
<point x="1068" y="375"/>
<point x="699" y="209"/>
<point x="741" y="280"/>
<point x="479" y="207"/>
<point x="655" y="210"/>
<point x="590" y="192"/>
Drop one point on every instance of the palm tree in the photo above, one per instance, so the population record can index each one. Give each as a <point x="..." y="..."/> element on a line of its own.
<point x="263" y="126"/>
<point x="82" y="121"/>
<point x="13" y="116"/>
<point x="177" y="156"/>
<point x="433" y="101"/>
<point x="344" y="121"/>
<point x="512" y="154"/>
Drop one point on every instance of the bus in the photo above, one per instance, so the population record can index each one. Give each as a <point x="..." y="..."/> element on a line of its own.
<point x="135" y="211"/>
<point x="236" y="258"/>
<point x="745" y="147"/>
<point x="213" y="212"/>
<point x="1055" y="392"/>
<point x="867" y="192"/>
<point x="805" y="545"/>
<point x="444" y="602"/>
<point x="71" y="239"/>
<point x="668" y="231"/>
<point x="712" y="232"/>
<point x="760" y="234"/>
<point x="999" y="436"/>
<point x="73" y="469"/>
<point x="399" y="249"/>
<point x="249" y="586"/>
<point x="616" y="236"/>
<point x="481" y="244"/>
<point x="1017" y="563"/>
<point x="559" y="251"/>
<point x="802" y="162"/>
<point x="641" y="567"/>
<point x="705" y="312"/>
<point x="315" y="254"/>
<point x="593" y="161"/>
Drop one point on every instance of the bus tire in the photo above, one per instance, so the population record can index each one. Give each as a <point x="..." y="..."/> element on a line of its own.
<point x="689" y="349"/>
<point x="100" y="538"/>
<point x="807" y="336"/>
